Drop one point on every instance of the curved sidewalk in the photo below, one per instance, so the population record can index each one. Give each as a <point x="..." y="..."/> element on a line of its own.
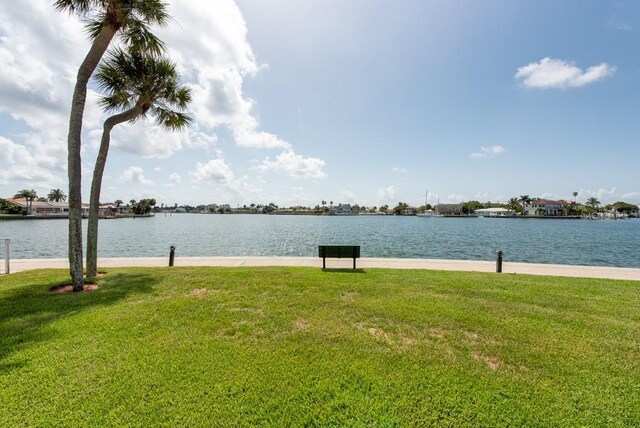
<point x="18" y="265"/>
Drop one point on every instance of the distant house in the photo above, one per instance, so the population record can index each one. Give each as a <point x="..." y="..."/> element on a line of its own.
<point x="409" y="210"/>
<point x="449" y="209"/>
<point x="344" y="209"/>
<point x="495" y="212"/>
<point x="546" y="207"/>
<point x="112" y="210"/>
<point x="38" y="208"/>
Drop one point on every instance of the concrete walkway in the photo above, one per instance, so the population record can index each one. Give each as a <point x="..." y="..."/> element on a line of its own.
<point x="18" y="265"/>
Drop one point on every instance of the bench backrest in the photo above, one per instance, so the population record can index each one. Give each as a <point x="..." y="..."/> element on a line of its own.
<point x="339" y="251"/>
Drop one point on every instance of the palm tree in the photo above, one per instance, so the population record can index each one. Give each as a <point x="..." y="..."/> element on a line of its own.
<point x="135" y="85"/>
<point x="592" y="203"/>
<point x="524" y="199"/>
<point x="575" y="197"/>
<point x="29" y="196"/>
<point x="118" y="202"/>
<point x="514" y="204"/>
<point x="106" y="19"/>
<point x="56" y="195"/>
<point x="132" y="202"/>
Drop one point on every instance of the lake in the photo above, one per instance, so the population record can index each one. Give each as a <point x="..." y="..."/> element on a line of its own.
<point x="580" y="242"/>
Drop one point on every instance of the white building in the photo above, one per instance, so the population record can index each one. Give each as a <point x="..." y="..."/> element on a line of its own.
<point x="495" y="212"/>
<point x="41" y="208"/>
<point x="546" y="207"/>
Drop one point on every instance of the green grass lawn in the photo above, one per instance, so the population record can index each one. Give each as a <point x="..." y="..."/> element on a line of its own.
<point x="299" y="346"/>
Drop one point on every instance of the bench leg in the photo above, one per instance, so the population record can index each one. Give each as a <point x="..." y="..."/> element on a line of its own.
<point x="324" y="263"/>
<point x="354" y="262"/>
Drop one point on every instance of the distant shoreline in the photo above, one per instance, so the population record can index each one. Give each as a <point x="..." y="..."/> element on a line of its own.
<point x="64" y="217"/>
<point x="528" y="217"/>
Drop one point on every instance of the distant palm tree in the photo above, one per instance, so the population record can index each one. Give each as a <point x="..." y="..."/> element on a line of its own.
<point x="57" y="195"/>
<point x="29" y="196"/>
<point x="135" y="85"/>
<point x="132" y="202"/>
<point x="524" y="199"/>
<point x="118" y="202"/>
<point x="592" y="203"/>
<point x="575" y="197"/>
<point x="106" y="19"/>
<point x="514" y="204"/>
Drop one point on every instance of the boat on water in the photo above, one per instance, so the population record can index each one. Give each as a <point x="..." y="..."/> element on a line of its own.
<point x="426" y="213"/>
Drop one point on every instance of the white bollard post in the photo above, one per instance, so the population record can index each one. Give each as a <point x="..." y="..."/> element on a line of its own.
<point x="6" y="255"/>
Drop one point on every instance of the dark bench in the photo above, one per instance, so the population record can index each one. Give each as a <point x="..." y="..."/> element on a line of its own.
<point x="339" y="252"/>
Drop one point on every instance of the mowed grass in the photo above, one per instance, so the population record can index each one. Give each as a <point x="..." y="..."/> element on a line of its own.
<point x="299" y="346"/>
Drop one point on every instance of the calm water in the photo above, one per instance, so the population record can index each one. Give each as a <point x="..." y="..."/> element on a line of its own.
<point x="584" y="242"/>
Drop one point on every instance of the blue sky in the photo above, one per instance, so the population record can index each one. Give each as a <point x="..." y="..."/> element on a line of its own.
<point x="360" y="101"/>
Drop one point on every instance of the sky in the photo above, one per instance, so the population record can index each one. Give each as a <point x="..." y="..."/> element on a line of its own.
<point x="366" y="101"/>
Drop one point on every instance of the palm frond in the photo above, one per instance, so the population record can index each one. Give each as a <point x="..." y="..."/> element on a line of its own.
<point x="139" y="38"/>
<point x="171" y="120"/>
<point x="94" y="25"/>
<point x="78" y="7"/>
<point x="179" y="97"/>
<point x="128" y="78"/>
<point x="117" y="102"/>
<point x="150" y="11"/>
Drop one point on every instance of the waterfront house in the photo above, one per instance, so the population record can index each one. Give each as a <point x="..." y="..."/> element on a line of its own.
<point x="48" y="208"/>
<point x="495" y="212"/>
<point x="546" y="207"/>
<point x="113" y="210"/>
<point x="449" y="209"/>
<point x="409" y="210"/>
<point x="344" y="209"/>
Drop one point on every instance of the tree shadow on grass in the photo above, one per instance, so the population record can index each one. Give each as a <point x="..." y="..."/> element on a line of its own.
<point x="27" y="310"/>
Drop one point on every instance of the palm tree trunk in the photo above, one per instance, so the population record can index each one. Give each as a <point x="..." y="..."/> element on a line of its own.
<point x="74" y="143"/>
<point x="96" y="185"/>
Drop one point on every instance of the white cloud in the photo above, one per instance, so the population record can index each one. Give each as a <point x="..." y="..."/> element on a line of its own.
<point x="456" y="198"/>
<point x="348" y="197"/>
<point x="618" y="24"/>
<point x="631" y="195"/>
<point x="24" y="168"/>
<point x="599" y="193"/>
<point x="482" y="196"/>
<point x="217" y="62"/>
<point x="11" y="152"/>
<point x="387" y="193"/>
<point x="37" y="59"/>
<point x="487" y="152"/>
<point x="135" y="174"/>
<point x="40" y="50"/>
<point x="146" y="139"/>
<point x="294" y="165"/>
<point x="400" y="170"/>
<point x="175" y="178"/>
<point x="217" y="172"/>
<point x="557" y="73"/>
